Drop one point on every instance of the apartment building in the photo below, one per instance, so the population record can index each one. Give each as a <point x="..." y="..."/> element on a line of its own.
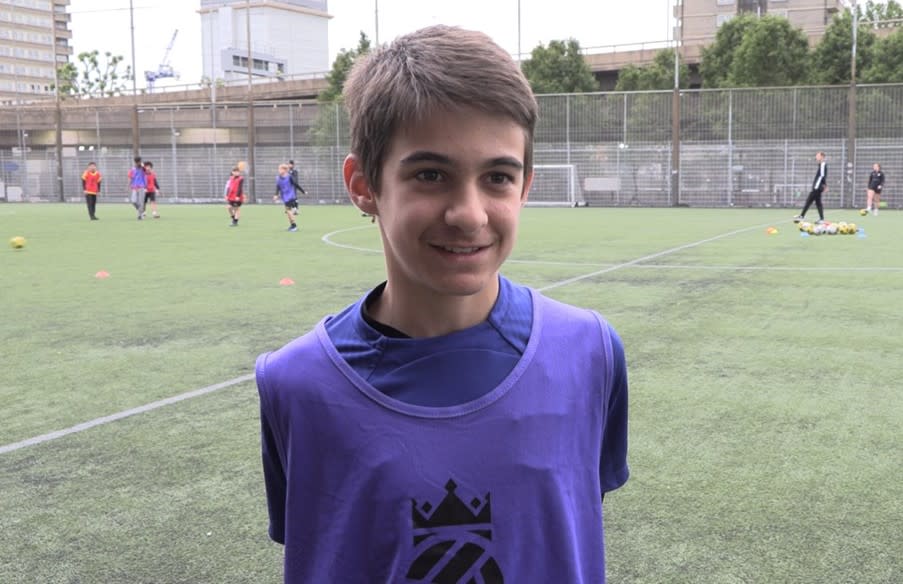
<point x="287" y="37"/>
<point x="34" y="40"/>
<point x="698" y="20"/>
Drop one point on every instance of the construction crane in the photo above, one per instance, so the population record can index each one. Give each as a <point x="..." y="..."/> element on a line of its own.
<point x="164" y="69"/>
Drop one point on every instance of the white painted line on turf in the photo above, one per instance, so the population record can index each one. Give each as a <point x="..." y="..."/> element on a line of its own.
<point x="766" y="268"/>
<point x="651" y="256"/>
<point x="326" y="238"/>
<point x="124" y="414"/>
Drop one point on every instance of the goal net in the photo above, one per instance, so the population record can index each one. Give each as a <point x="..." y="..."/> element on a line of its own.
<point x="554" y="185"/>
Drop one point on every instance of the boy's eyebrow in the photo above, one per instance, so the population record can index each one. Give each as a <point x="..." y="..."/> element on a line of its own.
<point x="429" y="156"/>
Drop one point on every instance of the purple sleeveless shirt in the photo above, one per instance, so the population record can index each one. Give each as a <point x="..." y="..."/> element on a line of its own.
<point x="505" y="488"/>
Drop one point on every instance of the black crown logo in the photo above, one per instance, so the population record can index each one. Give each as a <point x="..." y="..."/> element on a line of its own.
<point x="452" y="511"/>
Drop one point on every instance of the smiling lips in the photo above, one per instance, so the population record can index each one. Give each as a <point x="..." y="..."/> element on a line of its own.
<point x="460" y="249"/>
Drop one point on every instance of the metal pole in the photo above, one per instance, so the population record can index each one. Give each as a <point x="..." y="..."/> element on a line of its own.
<point x="291" y="131"/>
<point x="252" y="191"/>
<point x="518" y="32"/>
<point x="136" y="138"/>
<point x="58" y="114"/>
<point x="675" y="121"/>
<point x="567" y="130"/>
<point x="730" y="147"/>
<point x="175" y="158"/>
<point x="376" y="22"/>
<point x="851" y="113"/>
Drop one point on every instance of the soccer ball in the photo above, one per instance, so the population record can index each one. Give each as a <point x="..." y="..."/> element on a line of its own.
<point x="17" y="242"/>
<point x="863" y="212"/>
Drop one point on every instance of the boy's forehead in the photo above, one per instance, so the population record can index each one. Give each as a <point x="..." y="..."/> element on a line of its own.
<point x="447" y="142"/>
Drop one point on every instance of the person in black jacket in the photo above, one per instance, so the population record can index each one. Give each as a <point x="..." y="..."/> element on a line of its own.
<point x="293" y="173"/>
<point x="876" y="185"/>
<point x="819" y="186"/>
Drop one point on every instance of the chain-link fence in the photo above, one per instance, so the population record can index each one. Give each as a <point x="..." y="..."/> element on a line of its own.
<point x="741" y="147"/>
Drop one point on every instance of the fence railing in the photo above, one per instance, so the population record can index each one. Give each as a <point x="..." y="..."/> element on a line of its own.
<point x="749" y="147"/>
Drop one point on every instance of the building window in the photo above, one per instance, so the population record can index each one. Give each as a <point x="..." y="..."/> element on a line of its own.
<point x="725" y="2"/>
<point x="721" y="19"/>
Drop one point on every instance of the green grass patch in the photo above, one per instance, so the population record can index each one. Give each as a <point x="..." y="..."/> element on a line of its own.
<point x="765" y="406"/>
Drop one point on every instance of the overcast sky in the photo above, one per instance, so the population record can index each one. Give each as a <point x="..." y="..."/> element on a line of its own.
<point x="104" y="25"/>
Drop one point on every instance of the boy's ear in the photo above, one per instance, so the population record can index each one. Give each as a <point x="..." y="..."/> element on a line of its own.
<point x="358" y="186"/>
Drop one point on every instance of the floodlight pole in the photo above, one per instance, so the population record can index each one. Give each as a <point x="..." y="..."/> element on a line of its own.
<point x="851" y="109"/>
<point x="136" y="138"/>
<point x="518" y="32"/>
<point x="58" y="114"/>
<point x="252" y="191"/>
<point x="376" y="22"/>
<point x="675" y="116"/>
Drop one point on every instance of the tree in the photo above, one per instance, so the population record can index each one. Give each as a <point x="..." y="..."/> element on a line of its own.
<point x="830" y="61"/>
<point x="331" y="116"/>
<point x="95" y="75"/>
<point x="340" y="69"/>
<point x="718" y="57"/>
<point x="882" y="14"/>
<point x="657" y="75"/>
<point x="887" y="61"/>
<point x="773" y="53"/>
<point x="559" y="68"/>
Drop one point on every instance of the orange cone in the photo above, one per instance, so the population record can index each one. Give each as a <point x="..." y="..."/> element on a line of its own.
<point x="286" y="282"/>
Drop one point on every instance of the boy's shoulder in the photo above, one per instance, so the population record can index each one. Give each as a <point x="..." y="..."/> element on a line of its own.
<point x="305" y="353"/>
<point x="555" y="311"/>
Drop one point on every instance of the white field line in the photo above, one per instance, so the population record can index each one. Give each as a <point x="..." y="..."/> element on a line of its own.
<point x="248" y="377"/>
<point x="766" y="268"/>
<point x="124" y="414"/>
<point x="327" y="239"/>
<point x="646" y="258"/>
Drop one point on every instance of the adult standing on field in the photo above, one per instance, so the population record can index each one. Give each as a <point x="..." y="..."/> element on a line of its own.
<point x="876" y="185"/>
<point x="137" y="184"/>
<point x="293" y="173"/>
<point x="819" y="186"/>
<point x="91" y="179"/>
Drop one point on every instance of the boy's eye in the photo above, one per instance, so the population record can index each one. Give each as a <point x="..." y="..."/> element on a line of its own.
<point x="500" y="178"/>
<point x="429" y="175"/>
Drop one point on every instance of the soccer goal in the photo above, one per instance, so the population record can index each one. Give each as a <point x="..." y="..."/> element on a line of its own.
<point x="554" y="185"/>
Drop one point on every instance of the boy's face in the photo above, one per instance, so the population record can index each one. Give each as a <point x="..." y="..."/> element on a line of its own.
<point x="283" y="171"/>
<point x="92" y="167"/>
<point x="449" y="202"/>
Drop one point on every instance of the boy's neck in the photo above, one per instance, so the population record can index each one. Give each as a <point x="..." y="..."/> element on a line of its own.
<point x="431" y="315"/>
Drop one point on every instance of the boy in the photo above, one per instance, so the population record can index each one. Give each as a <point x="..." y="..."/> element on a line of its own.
<point x="285" y="189"/>
<point x="153" y="187"/>
<point x="137" y="184"/>
<point x="450" y="426"/>
<point x="235" y="195"/>
<point x="819" y="186"/>
<point x="91" y="180"/>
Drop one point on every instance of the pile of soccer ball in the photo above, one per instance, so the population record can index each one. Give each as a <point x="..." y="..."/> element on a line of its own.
<point x="828" y="228"/>
<point x="17" y="242"/>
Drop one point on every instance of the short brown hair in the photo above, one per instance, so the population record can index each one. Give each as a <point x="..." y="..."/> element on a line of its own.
<point x="434" y="68"/>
